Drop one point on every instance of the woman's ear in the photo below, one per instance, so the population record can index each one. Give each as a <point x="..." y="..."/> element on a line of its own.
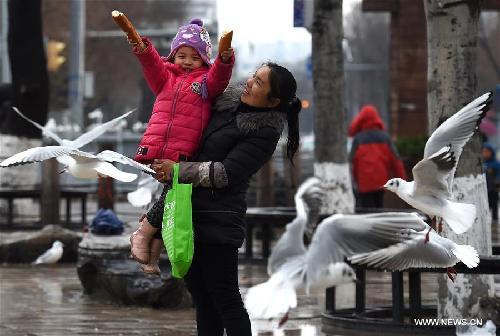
<point x="274" y="102"/>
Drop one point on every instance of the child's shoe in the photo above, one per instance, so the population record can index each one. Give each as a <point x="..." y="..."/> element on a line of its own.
<point x="140" y="241"/>
<point x="154" y="258"/>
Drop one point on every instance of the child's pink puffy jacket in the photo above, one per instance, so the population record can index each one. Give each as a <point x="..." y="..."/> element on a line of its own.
<point x="182" y="107"/>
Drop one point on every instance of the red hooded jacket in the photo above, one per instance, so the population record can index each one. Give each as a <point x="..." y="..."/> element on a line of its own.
<point x="374" y="158"/>
<point x="180" y="112"/>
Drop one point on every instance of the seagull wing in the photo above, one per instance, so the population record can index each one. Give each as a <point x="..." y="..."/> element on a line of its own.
<point x="36" y="154"/>
<point x="143" y="195"/>
<point x="140" y="197"/>
<point x="97" y="131"/>
<point x="291" y="242"/>
<point x="106" y="168"/>
<point x="458" y="129"/>
<point x="340" y="236"/>
<point x="111" y="156"/>
<point x="277" y="295"/>
<point x="412" y="252"/>
<point x="289" y="245"/>
<point x="431" y="174"/>
<point x="45" y="131"/>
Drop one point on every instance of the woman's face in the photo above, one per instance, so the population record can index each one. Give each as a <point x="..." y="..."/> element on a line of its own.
<point x="257" y="89"/>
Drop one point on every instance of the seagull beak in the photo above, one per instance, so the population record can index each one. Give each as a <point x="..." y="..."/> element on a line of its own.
<point x="357" y="282"/>
<point x="63" y="171"/>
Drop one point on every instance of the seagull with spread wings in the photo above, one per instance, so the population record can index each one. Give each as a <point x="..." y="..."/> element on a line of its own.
<point x="398" y="246"/>
<point x="430" y="192"/>
<point x="80" y="164"/>
<point x="287" y="263"/>
<point x="83" y="139"/>
<point x="389" y="240"/>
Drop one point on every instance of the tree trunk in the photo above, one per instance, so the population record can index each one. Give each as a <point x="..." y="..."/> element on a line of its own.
<point x="29" y="69"/>
<point x="451" y="44"/>
<point x="30" y="94"/>
<point x="330" y="122"/>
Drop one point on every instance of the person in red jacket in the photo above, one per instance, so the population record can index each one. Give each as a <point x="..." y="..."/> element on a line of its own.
<point x="185" y="84"/>
<point x="374" y="158"/>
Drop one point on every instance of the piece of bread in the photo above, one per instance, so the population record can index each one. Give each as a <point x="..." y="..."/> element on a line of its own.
<point x="225" y="41"/>
<point x="124" y="23"/>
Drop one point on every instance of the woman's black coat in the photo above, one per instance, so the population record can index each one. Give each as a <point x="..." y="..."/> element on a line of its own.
<point x="243" y="139"/>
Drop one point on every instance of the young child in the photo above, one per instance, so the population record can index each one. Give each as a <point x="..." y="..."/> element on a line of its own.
<point x="492" y="170"/>
<point x="185" y="84"/>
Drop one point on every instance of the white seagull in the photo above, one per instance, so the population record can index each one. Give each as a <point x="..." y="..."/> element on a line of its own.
<point x="288" y="263"/>
<point x="147" y="186"/>
<point x="402" y="243"/>
<point x="52" y="255"/>
<point x="83" y="139"/>
<point x="80" y="164"/>
<point x="430" y="191"/>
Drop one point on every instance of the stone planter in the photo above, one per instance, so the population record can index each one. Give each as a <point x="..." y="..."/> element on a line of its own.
<point x="107" y="273"/>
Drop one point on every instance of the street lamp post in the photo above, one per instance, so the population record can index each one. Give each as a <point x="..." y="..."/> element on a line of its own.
<point x="77" y="61"/>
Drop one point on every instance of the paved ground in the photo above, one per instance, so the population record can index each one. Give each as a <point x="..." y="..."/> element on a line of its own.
<point x="48" y="301"/>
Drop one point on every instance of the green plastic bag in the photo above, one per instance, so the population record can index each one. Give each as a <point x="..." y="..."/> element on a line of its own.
<point x="177" y="226"/>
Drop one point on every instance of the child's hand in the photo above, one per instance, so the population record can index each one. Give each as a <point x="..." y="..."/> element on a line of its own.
<point x="163" y="168"/>
<point x="226" y="55"/>
<point x="140" y="46"/>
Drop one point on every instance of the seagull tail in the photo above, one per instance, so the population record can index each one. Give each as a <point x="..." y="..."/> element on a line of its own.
<point x="467" y="254"/>
<point x="459" y="216"/>
<point x="272" y="298"/>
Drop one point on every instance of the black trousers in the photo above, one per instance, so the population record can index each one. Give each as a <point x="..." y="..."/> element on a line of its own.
<point x="155" y="214"/>
<point x="493" y="202"/>
<point x="213" y="283"/>
<point x="374" y="199"/>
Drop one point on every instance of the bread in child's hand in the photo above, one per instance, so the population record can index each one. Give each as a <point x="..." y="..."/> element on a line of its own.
<point x="225" y="41"/>
<point x="124" y="23"/>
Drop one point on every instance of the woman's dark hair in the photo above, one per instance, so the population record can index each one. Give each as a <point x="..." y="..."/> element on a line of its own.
<point x="284" y="87"/>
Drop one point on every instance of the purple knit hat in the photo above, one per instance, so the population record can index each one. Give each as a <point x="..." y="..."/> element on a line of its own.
<point x="195" y="36"/>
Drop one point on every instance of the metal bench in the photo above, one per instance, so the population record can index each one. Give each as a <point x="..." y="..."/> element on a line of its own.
<point x="487" y="265"/>
<point x="11" y="195"/>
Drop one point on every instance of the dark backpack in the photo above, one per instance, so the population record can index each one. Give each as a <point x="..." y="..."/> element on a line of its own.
<point x="106" y="222"/>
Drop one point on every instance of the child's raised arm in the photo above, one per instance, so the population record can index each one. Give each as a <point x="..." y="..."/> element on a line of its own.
<point x="220" y="73"/>
<point x="125" y="24"/>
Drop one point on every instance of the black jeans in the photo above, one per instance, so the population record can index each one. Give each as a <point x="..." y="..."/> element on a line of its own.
<point x="493" y="202"/>
<point x="213" y="283"/>
<point x="155" y="214"/>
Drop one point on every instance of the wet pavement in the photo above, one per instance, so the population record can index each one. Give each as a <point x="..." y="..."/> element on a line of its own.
<point x="48" y="301"/>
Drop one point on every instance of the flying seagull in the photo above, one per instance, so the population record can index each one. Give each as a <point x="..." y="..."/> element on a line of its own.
<point x="430" y="191"/>
<point x="83" y="139"/>
<point x="78" y="163"/>
<point x="52" y="255"/>
<point x="287" y="264"/>
<point x="402" y="246"/>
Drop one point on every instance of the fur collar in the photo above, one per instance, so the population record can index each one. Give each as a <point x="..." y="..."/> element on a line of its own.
<point x="249" y="121"/>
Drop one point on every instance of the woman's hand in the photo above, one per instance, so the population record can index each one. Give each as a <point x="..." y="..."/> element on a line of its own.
<point x="226" y="55"/>
<point x="163" y="168"/>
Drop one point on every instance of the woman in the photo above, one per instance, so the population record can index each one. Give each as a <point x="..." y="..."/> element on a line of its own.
<point x="240" y="138"/>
